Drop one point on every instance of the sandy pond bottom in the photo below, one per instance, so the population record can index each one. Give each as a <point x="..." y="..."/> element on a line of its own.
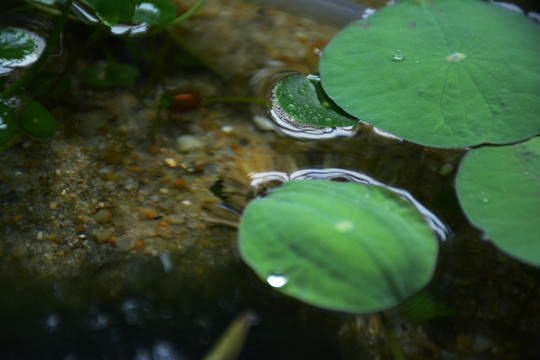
<point x="107" y="251"/>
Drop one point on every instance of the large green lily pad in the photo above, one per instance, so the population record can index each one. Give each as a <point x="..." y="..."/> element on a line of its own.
<point x="439" y="73"/>
<point x="341" y="246"/>
<point x="499" y="190"/>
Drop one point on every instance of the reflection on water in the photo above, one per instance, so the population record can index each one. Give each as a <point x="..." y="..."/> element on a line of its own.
<point x="259" y="179"/>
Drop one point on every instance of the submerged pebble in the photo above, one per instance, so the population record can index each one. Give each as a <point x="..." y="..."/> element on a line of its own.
<point x="187" y="143"/>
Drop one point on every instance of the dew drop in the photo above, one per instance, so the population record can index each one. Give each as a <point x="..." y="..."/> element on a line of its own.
<point x="277" y="280"/>
<point x="327" y="119"/>
<point x="344" y="226"/>
<point x="291" y="107"/>
<point x="290" y="97"/>
<point x="306" y="106"/>
<point x="302" y="92"/>
<point x="398" y="55"/>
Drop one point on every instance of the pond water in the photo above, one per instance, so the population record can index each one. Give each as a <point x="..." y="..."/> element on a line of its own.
<point x="113" y="245"/>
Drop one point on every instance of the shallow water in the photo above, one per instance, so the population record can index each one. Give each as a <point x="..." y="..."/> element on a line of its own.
<point x="107" y="251"/>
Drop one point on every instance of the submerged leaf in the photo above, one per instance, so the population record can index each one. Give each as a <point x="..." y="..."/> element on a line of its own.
<point x="36" y="120"/>
<point x="439" y="73"/>
<point x="340" y="246"/>
<point x="110" y="75"/>
<point x="499" y="190"/>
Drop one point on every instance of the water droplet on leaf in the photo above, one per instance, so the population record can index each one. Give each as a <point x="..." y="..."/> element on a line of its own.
<point x="302" y="92"/>
<point x="277" y="280"/>
<point x="398" y="55"/>
<point x="290" y="97"/>
<point x="291" y="107"/>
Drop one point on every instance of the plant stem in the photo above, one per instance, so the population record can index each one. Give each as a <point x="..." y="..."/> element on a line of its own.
<point x="180" y="18"/>
<point x="51" y="43"/>
<point x="187" y="14"/>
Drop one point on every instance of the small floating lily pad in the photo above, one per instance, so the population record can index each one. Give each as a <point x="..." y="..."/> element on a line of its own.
<point x="439" y="73"/>
<point x="303" y="100"/>
<point x="341" y="246"/>
<point x="499" y="190"/>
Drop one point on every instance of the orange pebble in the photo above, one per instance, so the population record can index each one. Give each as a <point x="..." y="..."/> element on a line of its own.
<point x="180" y="183"/>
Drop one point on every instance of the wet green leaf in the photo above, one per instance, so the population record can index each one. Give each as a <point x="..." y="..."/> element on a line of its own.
<point x="36" y="120"/>
<point x="112" y="12"/>
<point x="304" y="100"/>
<point x="340" y="246"/>
<point x="15" y="45"/>
<point x="154" y="12"/>
<point x="8" y="124"/>
<point x="439" y="73"/>
<point x="499" y="190"/>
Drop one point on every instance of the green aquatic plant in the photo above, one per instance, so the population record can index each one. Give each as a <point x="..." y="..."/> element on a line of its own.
<point x="447" y="74"/>
<point x="24" y="53"/>
<point x="341" y="246"/>
<point x="34" y="118"/>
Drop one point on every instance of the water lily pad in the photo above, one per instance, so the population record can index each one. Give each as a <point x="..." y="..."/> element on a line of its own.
<point x="439" y="73"/>
<point x="341" y="246"/>
<point x="302" y="99"/>
<point x="499" y="190"/>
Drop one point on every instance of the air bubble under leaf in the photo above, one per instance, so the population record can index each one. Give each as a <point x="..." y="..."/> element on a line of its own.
<point x="341" y="246"/>
<point x="466" y="72"/>
<point x="499" y="190"/>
